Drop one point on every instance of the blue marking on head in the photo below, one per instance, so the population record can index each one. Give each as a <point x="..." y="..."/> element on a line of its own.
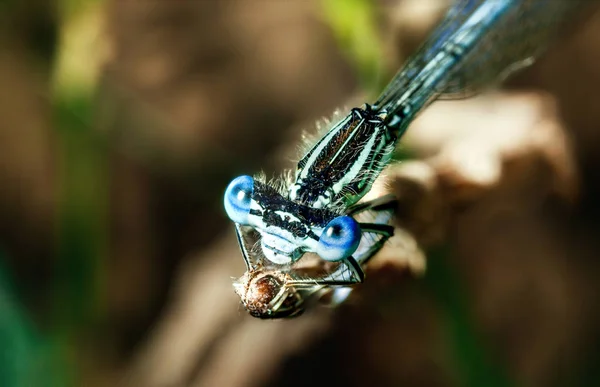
<point x="238" y="197"/>
<point x="339" y="239"/>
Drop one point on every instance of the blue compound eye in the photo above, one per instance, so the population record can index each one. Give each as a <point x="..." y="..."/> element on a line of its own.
<point x="339" y="239"/>
<point x="237" y="199"/>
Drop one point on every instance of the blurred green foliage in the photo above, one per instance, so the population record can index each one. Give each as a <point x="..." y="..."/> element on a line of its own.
<point x="28" y="357"/>
<point x="473" y="362"/>
<point x="32" y="357"/>
<point x="354" y="24"/>
<point x="82" y="232"/>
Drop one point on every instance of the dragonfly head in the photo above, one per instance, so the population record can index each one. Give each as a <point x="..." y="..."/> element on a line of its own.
<point x="288" y="229"/>
<point x="266" y="294"/>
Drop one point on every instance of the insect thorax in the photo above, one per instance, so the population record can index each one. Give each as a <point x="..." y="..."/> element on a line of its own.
<point x="341" y="167"/>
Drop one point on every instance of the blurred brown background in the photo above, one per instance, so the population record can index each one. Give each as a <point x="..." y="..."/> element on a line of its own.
<point x="123" y="121"/>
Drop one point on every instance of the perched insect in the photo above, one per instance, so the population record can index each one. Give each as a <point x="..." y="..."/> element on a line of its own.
<point x="313" y="233"/>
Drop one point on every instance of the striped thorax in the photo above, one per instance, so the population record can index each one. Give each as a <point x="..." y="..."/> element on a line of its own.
<point x="340" y="169"/>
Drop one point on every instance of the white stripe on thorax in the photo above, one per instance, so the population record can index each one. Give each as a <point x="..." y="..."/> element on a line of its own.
<point x="361" y="160"/>
<point x="317" y="151"/>
<point x="343" y="147"/>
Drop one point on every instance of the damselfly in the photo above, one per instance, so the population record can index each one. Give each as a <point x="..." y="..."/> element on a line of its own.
<point x="302" y="236"/>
